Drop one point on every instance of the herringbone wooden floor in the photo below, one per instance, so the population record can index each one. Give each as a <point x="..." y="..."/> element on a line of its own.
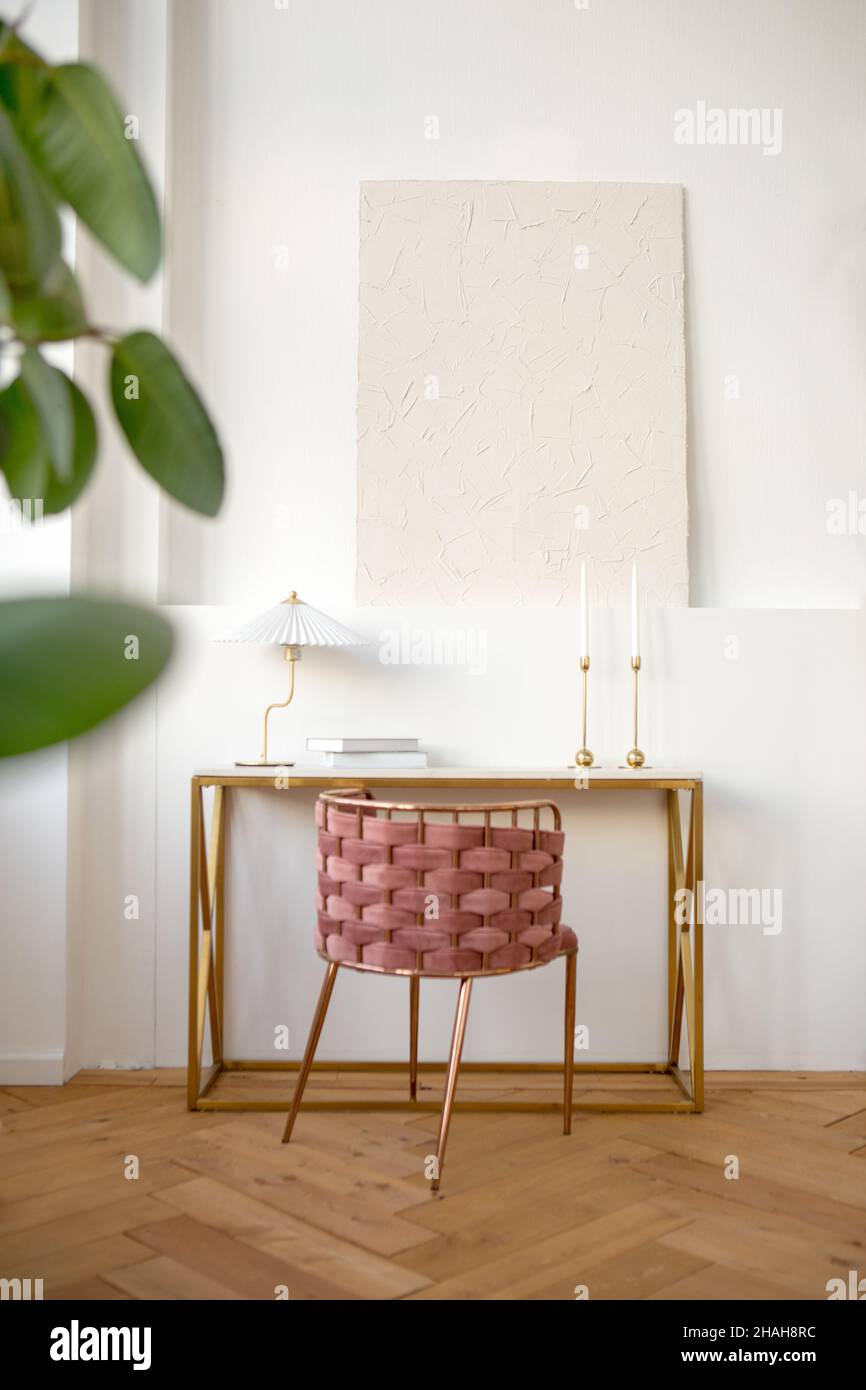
<point x="630" y="1206"/>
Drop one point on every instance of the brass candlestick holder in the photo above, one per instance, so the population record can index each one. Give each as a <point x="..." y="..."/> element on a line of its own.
<point x="583" y="757"/>
<point x="635" y="757"/>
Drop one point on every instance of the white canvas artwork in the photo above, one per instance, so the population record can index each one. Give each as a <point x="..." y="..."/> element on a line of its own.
<point x="521" y="396"/>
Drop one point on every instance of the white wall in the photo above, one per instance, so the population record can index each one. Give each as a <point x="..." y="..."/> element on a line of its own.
<point x="777" y="732"/>
<point x="116" y="547"/>
<point x="282" y="111"/>
<point x="276" y="115"/>
<point x="33" y="790"/>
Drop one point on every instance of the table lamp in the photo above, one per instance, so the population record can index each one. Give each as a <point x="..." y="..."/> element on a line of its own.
<point x="291" y="625"/>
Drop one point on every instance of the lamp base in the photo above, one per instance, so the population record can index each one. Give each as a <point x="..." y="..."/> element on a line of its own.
<point x="259" y="762"/>
<point x="634" y="758"/>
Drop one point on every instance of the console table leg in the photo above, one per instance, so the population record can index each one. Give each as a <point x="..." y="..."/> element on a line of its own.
<point x="206" y="893"/>
<point x="698" y="841"/>
<point x="193" y="1069"/>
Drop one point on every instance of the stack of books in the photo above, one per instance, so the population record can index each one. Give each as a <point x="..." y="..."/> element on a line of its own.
<point x="368" y="752"/>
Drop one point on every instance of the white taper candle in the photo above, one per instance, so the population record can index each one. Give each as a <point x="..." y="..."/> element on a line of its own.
<point x="635" y="610"/>
<point x="584" y="612"/>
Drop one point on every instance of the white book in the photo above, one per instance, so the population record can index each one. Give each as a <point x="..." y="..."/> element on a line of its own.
<point x="362" y="745"/>
<point x="359" y="760"/>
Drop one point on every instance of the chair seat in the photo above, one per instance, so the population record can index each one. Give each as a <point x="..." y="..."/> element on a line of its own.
<point x="390" y="958"/>
<point x="569" y="941"/>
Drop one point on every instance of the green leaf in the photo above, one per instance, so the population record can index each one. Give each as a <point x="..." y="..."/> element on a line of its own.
<point x="48" y="387"/>
<point x="5" y="300"/>
<point x="22" y="77"/>
<point x="166" y="424"/>
<point x="54" y="313"/>
<point x="78" y="141"/>
<point x="29" y="224"/>
<point x="24" y="456"/>
<point x="68" y="663"/>
<point x="60" y="493"/>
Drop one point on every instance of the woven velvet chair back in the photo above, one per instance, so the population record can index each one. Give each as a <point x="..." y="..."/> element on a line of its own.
<point x="438" y="890"/>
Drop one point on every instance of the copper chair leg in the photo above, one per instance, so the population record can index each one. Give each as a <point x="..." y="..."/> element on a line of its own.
<point x="312" y="1044"/>
<point x="451" y="1082"/>
<point x="414" y="991"/>
<point x="568" y="1067"/>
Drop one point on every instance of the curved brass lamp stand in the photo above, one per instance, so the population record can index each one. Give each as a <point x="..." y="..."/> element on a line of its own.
<point x="292" y="654"/>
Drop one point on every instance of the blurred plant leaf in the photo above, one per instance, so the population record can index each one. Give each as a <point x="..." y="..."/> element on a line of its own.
<point x="76" y="137"/>
<point x="68" y="663"/>
<point x="166" y="424"/>
<point x="62" y="492"/>
<point x="24" y="457"/>
<point x="29" y="224"/>
<point x="22" y="76"/>
<point x="54" y="313"/>
<point x="48" y="389"/>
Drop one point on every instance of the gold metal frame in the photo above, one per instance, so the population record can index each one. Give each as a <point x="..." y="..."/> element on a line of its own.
<point x="685" y="993"/>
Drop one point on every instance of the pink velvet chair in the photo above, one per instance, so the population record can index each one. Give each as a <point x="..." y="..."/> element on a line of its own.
<point x="439" y="891"/>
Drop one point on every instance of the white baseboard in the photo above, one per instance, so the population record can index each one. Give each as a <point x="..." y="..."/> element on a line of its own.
<point x="31" y="1069"/>
<point x="853" y="1061"/>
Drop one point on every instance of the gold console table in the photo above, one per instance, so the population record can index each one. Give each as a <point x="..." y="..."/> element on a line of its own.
<point x="685" y="980"/>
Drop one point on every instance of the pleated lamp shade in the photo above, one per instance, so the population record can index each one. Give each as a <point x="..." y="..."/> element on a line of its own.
<point x="290" y="625"/>
<point x="293" y="624"/>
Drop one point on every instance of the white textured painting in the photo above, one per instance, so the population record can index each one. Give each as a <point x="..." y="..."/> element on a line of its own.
<point x="521" y="400"/>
